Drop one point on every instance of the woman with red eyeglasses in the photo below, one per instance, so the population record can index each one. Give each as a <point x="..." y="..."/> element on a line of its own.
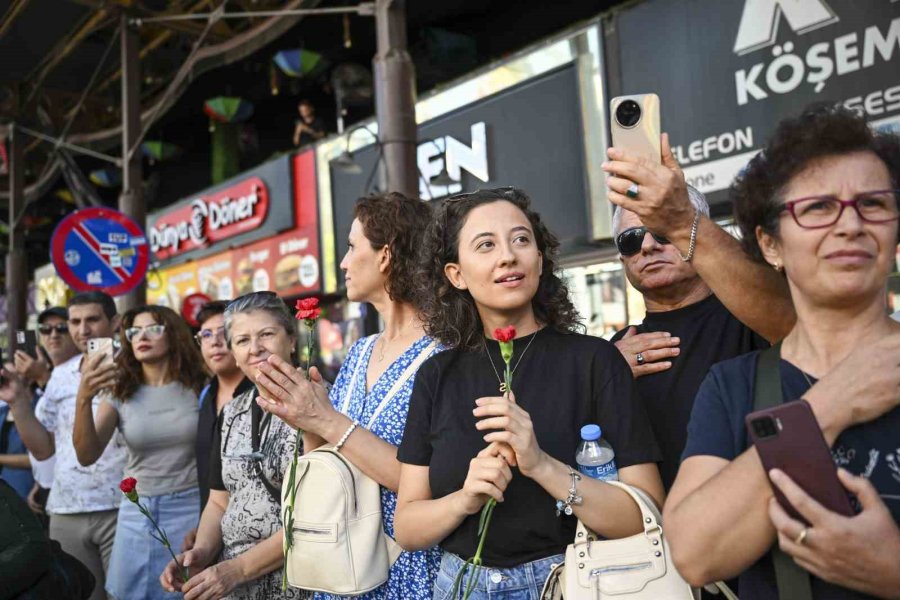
<point x="150" y="405"/>
<point x="818" y="204"/>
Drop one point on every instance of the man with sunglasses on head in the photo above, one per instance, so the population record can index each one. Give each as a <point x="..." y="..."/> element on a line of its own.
<point x="227" y="381"/>
<point x="83" y="501"/>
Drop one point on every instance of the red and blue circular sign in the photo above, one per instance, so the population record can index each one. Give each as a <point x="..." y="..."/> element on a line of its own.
<point x="100" y="249"/>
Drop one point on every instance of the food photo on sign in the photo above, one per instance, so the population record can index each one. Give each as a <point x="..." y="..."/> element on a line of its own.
<point x="215" y="275"/>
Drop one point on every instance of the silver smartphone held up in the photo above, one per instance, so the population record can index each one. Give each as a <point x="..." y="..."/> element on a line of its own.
<point x="101" y="346"/>
<point x="634" y="125"/>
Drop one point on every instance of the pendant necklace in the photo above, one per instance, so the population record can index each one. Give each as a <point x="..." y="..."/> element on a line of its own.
<point x="503" y="389"/>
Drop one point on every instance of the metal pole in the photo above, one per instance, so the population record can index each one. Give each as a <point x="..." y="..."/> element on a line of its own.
<point x="363" y="9"/>
<point x="131" y="201"/>
<point x="16" y="263"/>
<point x="395" y="99"/>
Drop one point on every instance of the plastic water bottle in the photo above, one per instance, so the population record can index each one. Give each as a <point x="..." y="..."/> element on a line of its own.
<point x="595" y="457"/>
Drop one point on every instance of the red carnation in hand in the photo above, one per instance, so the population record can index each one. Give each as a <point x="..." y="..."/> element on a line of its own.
<point x="128" y="484"/>
<point x="129" y="488"/>
<point x="308" y="309"/>
<point x="505" y="334"/>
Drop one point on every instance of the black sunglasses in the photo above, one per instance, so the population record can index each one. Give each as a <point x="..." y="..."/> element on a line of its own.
<point x="629" y="242"/>
<point x="61" y="329"/>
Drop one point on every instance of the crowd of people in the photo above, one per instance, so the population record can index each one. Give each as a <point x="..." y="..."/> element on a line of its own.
<point x="207" y="422"/>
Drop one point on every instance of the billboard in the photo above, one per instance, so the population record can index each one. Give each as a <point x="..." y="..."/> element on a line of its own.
<point x="727" y="72"/>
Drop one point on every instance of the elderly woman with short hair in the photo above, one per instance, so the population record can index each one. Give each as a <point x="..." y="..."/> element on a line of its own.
<point x="241" y="524"/>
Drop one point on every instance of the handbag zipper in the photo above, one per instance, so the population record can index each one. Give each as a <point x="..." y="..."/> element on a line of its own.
<point x="312" y="530"/>
<point x="620" y="569"/>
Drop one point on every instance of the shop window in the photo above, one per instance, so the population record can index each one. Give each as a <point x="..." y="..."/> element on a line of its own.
<point x="603" y="297"/>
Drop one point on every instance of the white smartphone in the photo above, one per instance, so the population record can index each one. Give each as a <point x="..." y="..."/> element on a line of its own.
<point x="101" y="346"/>
<point x="634" y="125"/>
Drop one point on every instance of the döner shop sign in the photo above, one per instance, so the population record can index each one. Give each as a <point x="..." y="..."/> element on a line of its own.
<point x="210" y="218"/>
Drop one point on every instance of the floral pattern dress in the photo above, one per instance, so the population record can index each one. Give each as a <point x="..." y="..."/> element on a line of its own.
<point x="412" y="575"/>
<point x="253" y="515"/>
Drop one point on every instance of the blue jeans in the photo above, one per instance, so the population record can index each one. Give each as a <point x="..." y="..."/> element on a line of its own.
<point x="137" y="559"/>
<point x="522" y="582"/>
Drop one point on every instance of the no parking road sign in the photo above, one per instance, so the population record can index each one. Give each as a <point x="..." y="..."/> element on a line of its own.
<point x="100" y="249"/>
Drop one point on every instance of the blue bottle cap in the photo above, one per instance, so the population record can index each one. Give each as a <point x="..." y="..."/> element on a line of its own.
<point x="590" y="432"/>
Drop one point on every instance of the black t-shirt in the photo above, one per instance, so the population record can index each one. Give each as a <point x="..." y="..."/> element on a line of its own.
<point x="717" y="429"/>
<point x="209" y="440"/>
<point x="316" y="125"/>
<point x="564" y="381"/>
<point x="709" y="334"/>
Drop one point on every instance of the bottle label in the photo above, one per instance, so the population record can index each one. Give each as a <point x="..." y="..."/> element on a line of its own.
<point x="605" y="471"/>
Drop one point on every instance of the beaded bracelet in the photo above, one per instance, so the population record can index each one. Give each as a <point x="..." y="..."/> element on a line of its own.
<point x="346" y="435"/>
<point x="573" y="499"/>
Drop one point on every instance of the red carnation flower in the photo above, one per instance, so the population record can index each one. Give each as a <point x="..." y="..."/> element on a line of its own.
<point x="308" y="309"/>
<point x="505" y="334"/>
<point x="128" y="484"/>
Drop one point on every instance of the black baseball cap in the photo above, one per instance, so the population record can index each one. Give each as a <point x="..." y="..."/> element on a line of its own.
<point x="53" y="311"/>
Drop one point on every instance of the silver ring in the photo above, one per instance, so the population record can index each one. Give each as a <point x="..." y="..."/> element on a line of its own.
<point x="632" y="190"/>
<point x="640" y="358"/>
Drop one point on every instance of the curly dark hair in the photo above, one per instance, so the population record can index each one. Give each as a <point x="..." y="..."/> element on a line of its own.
<point x="396" y="221"/>
<point x="450" y="314"/>
<point x="185" y="362"/>
<point x="820" y="131"/>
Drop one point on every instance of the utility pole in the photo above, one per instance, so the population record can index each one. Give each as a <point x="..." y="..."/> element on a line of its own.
<point x="16" y="264"/>
<point x="395" y="99"/>
<point x="131" y="201"/>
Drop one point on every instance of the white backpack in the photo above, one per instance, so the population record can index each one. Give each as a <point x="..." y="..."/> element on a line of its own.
<point x="339" y="543"/>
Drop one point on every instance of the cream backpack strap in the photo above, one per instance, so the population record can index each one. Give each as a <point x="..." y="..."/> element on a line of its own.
<point x="719" y="587"/>
<point x="393" y="547"/>
<point x="401" y="381"/>
<point x="348" y="395"/>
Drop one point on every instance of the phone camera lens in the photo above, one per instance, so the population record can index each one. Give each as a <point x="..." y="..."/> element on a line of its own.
<point x="628" y="113"/>
<point x="765" y="427"/>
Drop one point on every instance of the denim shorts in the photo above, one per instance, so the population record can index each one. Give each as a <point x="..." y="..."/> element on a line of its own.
<point x="137" y="559"/>
<point x="522" y="582"/>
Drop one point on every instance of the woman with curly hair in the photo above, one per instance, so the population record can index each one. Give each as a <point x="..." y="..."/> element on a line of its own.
<point x="490" y="263"/>
<point x="368" y="404"/>
<point x="151" y="399"/>
<point x="819" y="205"/>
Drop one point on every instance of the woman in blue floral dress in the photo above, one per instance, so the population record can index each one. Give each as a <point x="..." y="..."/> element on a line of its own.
<point x="370" y="399"/>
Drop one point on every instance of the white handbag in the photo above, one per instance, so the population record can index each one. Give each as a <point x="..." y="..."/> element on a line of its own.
<point x="339" y="545"/>
<point x="638" y="567"/>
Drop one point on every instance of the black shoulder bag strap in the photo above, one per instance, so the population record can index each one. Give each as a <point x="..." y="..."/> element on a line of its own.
<point x="793" y="582"/>
<point x="256" y="424"/>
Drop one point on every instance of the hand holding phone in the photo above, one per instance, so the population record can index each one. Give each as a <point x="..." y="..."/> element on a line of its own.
<point x="788" y="438"/>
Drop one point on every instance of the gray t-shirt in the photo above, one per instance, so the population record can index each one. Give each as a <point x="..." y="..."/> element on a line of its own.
<point x="159" y="424"/>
